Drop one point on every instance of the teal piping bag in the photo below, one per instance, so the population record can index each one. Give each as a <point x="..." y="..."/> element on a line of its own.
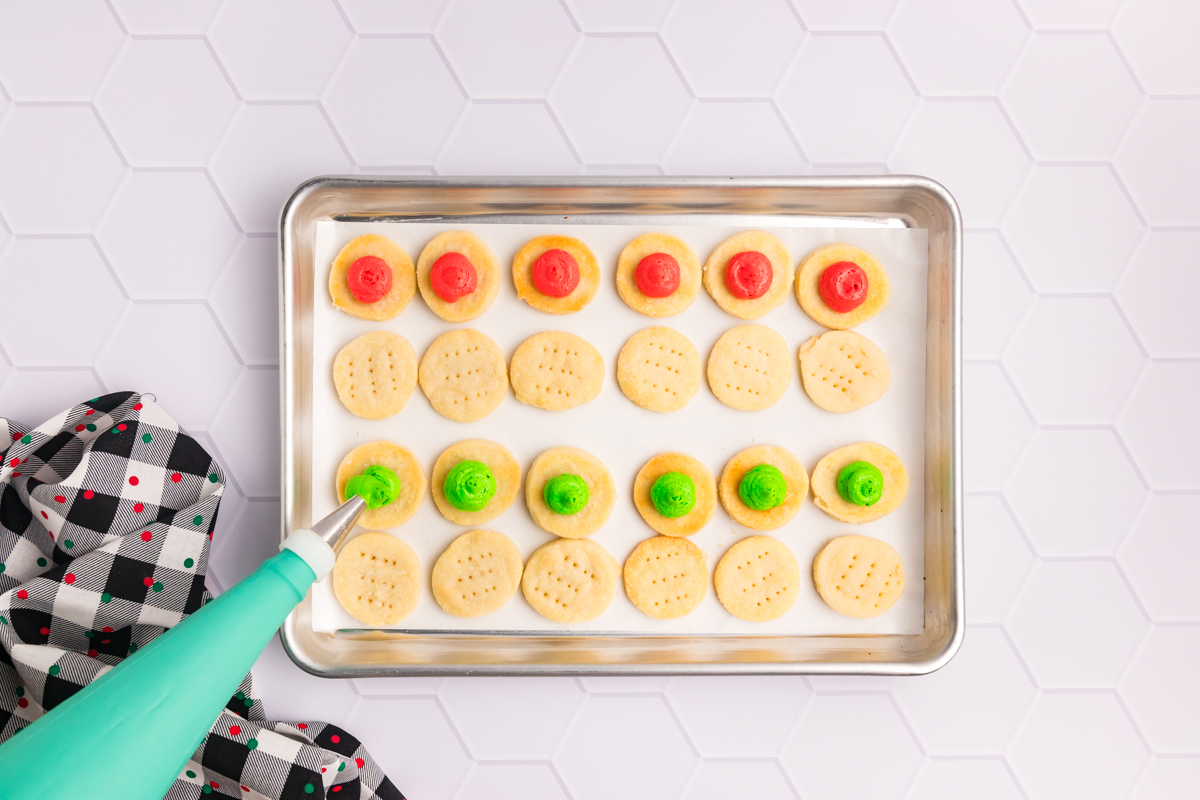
<point x="128" y="734"/>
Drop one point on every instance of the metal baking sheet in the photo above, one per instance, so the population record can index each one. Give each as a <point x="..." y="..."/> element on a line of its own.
<point x="709" y="639"/>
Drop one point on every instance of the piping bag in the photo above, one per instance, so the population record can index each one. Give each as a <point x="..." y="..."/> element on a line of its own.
<point x="143" y="719"/>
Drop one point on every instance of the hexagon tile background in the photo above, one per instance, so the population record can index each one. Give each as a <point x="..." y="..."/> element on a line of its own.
<point x="146" y="147"/>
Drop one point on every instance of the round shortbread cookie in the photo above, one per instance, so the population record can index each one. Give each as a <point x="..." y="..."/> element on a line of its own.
<point x="377" y="578"/>
<point x="375" y="374"/>
<point x="781" y="278"/>
<point x="399" y="460"/>
<point x="825" y="475"/>
<point x="706" y="494"/>
<point x="570" y="580"/>
<point x="689" y="275"/>
<point x="476" y="574"/>
<point x="858" y="576"/>
<point x="404" y="278"/>
<point x="463" y="375"/>
<point x="750" y="367"/>
<point x="602" y="492"/>
<point x="556" y="371"/>
<point x="843" y="371"/>
<point x="808" y="276"/>
<point x="589" y="274"/>
<point x="666" y="577"/>
<point x="487" y="272"/>
<point x="497" y="458"/>
<point x="748" y="459"/>
<point x="659" y="369"/>
<point x="758" y="579"/>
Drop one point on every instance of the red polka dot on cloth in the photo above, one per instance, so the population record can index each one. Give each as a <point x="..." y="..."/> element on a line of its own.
<point x="106" y="629"/>
<point x="301" y="726"/>
<point x="176" y="477"/>
<point x="133" y="480"/>
<point x="93" y="653"/>
<point x="147" y="536"/>
<point x="69" y="577"/>
<point x="335" y="738"/>
<point x="138" y="508"/>
<point x="22" y="594"/>
<point x="121" y="427"/>
<point x="45" y="516"/>
<point x="137" y="406"/>
<point x="23" y="703"/>
<point x="358" y="762"/>
<point x="148" y="581"/>
<point x="234" y="730"/>
<point x="88" y="494"/>
<point x="58" y="498"/>
<point x="79" y="427"/>
<point x="89" y="412"/>
<point x="45" y="631"/>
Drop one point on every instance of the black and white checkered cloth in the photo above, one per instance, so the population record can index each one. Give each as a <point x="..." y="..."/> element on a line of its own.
<point x="106" y="516"/>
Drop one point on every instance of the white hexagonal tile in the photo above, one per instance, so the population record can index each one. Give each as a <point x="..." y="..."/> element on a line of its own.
<point x="56" y="49"/>
<point x="974" y="704"/>
<point x="1070" y="14"/>
<point x="969" y="147"/>
<point x="628" y="78"/>
<point x="996" y="427"/>
<point x="246" y="540"/>
<point x="511" y="782"/>
<point x="1073" y="229"/>
<point x="1170" y="779"/>
<point x="1072" y="97"/>
<point x="376" y="119"/>
<point x="1088" y="512"/>
<point x="58" y="170"/>
<point x="177" y="352"/>
<point x="269" y="151"/>
<point x="619" y="16"/>
<point x="722" y="780"/>
<point x="729" y="716"/>
<point x="840" y="15"/>
<point x="278" y="49"/>
<point x="1158" y="161"/>
<point x="1074" y="360"/>
<point x="619" y="684"/>
<point x="388" y="16"/>
<point x="71" y="274"/>
<point x="851" y="683"/>
<point x="1076" y="624"/>
<point x="958" y="48"/>
<point x="711" y="40"/>
<point x="422" y="686"/>
<point x="1158" y="558"/>
<point x="167" y="102"/>
<point x="246" y="300"/>
<point x="1154" y="36"/>
<point x="1158" y="425"/>
<point x="1078" y="745"/>
<point x="977" y="779"/>
<point x="1161" y="691"/>
<point x="167" y="235"/>
<point x="506" y="49"/>
<point x="734" y="138"/>
<point x="33" y="396"/>
<point x="150" y="16"/>
<point x="995" y="295"/>
<point x="511" y="718"/>
<point x="414" y="744"/>
<point x="853" y="112"/>
<point x="652" y="754"/>
<point x="998" y="559"/>
<point x="880" y="765"/>
<point x="247" y="431"/>
<point x="1163" y="319"/>
<point x="507" y="139"/>
<point x="307" y="697"/>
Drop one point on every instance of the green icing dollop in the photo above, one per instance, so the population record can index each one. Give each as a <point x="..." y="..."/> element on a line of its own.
<point x="673" y="494"/>
<point x="469" y="486"/>
<point x="377" y="485"/>
<point x="860" y="483"/>
<point x="566" y="494"/>
<point x="763" y="488"/>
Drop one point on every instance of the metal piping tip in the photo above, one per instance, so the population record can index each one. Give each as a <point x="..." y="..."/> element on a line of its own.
<point x="336" y="525"/>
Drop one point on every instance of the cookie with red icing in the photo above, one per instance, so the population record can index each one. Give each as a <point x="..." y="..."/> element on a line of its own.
<point x="749" y="274"/>
<point x="658" y="275"/>
<point x="458" y="275"/>
<point x="556" y="274"/>
<point x="372" y="278"/>
<point x="841" y="286"/>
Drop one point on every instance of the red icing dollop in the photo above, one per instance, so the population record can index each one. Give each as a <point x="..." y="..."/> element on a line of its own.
<point x="843" y="286"/>
<point x="748" y="275"/>
<point x="555" y="273"/>
<point x="453" y="276"/>
<point x="369" y="278"/>
<point x="657" y="275"/>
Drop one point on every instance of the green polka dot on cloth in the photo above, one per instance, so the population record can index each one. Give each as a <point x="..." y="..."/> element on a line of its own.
<point x="157" y="586"/>
<point x="341" y="766"/>
<point x="132" y="647"/>
<point x="2" y="567"/>
<point x="67" y="543"/>
<point x="89" y="634"/>
<point x="41" y="562"/>
<point x="3" y="620"/>
<point x="54" y="669"/>
<point x="91" y="427"/>
<point x="240" y="695"/>
<point x="147" y="438"/>
<point x="190" y="774"/>
<point x="212" y="477"/>
<point x="206" y="789"/>
<point x="248" y="702"/>
<point x="106" y="597"/>
<point x="308" y="788"/>
<point x="26" y="439"/>
<point x="197" y="520"/>
<point x="187" y="562"/>
<point x="20" y="691"/>
<point x="252" y="744"/>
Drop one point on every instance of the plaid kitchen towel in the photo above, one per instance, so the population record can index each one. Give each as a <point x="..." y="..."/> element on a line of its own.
<point x="106" y="516"/>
